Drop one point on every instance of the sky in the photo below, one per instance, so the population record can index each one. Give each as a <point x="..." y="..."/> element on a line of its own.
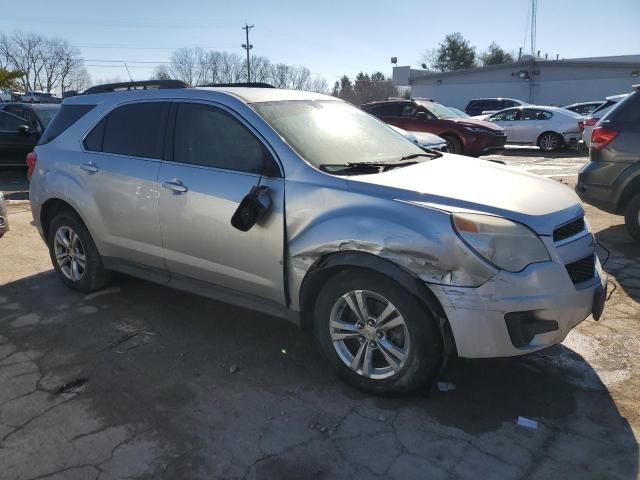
<point x="331" y="38"/>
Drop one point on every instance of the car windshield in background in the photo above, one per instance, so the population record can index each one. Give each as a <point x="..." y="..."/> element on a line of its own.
<point x="440" y="111"/>
<point x="46" y="114"/>
<point x="328" y="132"/>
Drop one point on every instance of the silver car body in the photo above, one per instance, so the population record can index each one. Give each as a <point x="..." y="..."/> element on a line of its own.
<point x="401" y="218"/>
<point x="528" y="131"/>
<point x="423" y="139"/>
<point x="4" y="217"/>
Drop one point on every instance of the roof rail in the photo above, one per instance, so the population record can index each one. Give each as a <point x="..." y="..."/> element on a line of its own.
<point x="244" y="84"/>
<point x="143" y="85"/>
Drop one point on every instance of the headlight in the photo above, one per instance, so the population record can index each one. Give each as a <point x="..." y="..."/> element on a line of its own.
<point x="477" y="129"/>
<point x="506" y="244"/>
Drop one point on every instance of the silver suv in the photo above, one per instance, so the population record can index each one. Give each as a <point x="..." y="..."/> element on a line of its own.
<point x="299" y="205"/>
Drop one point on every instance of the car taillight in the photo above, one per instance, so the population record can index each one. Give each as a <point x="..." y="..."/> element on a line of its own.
<point x="591" y="122"/>
<point x="581" y="125"/>
<point x="601" y="137"/>
<point x="32" y="158"/>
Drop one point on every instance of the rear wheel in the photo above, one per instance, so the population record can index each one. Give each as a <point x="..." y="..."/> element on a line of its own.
<point x="454" y="145"/>
<point x="74" y="255"/>
<point x="376" y="335"/>
<point x="632" y="217"/>
<point x="550" y="142"/>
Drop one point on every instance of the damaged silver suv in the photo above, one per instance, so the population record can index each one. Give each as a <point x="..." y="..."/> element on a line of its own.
<point x="301" y="206"/>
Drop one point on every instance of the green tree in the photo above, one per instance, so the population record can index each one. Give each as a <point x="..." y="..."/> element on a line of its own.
<point x="453" y="53"/>
<point x="494" y="55"/>
<point x="9" y="79"/>
<point x="366" y="88"/>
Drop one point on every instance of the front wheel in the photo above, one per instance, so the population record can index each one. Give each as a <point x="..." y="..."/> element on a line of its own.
<point x="632" y="217"/>
<point x="74" y="255"/>
<point x="375" y="334"/>
<point x="454" y="145"/>
<point x="550" y="142"/>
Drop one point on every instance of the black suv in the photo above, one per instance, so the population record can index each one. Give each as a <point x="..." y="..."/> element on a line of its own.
<point x="478" y="106"/>
<point x="611" y="179"/>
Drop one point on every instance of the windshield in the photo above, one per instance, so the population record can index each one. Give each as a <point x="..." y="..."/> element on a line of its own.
<point x="46" y="114"/>
<point x="327" y="132"/>
<point x="440" y="111"/>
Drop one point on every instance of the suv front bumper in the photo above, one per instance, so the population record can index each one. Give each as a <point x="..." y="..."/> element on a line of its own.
<point x="542" y="293"/>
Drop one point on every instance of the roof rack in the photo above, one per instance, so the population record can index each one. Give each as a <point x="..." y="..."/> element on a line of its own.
<point x="143" y="85"/>
<point x="245" y="84"/>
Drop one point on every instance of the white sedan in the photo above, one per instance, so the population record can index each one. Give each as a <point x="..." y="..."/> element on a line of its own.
<point x="550" y="128"/>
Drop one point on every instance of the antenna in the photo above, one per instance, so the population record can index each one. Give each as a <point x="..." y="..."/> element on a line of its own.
<point x="534" y="11"/>
<point x="128" y="72"/>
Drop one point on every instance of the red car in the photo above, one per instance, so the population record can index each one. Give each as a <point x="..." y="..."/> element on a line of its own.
<point x="465" y="136"/>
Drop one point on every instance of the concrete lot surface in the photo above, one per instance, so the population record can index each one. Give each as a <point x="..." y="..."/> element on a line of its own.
<point x="140" y="381"/>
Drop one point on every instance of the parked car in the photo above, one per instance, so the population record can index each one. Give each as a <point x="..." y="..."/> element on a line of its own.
<point x="4" y="217"/>
<point x="464" y="136"/>
<point x="583" y="108"/>
<point x="20" y="128"/>
<point x="611" y="179"/>
<point x="592" y="120"/>
<point x="393" y="256"/>
<point x="550" y="128"/>
<point x="5" y="96"/>
<point x="424" y="139"/>
<point x="479" y="106"/>
<point x="39" y="97"/>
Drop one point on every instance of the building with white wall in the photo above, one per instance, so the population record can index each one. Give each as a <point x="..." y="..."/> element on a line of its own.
<point x="537" y="81"/>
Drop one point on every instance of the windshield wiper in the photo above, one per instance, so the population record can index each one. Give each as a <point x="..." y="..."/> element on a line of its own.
<point x="369" y="167"/>
<point x="430" y="154"/>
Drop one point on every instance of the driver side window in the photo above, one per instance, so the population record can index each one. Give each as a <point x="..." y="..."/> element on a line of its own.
<point x="509" y="116"/>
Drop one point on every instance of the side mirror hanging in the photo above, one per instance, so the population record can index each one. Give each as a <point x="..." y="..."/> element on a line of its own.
<point x="252" y="208"/>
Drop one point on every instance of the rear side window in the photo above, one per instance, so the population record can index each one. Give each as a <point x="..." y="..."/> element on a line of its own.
<point x="67" y="115"/>
<point x="626" y="110"/>
<point x="606" y="104"/>
<point x="134" y="130"/>
<point x="531" y="114"/>
<point x="207" y="136"/>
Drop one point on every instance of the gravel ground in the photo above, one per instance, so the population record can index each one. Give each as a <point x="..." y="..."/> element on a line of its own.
<point x="140" y="381"/>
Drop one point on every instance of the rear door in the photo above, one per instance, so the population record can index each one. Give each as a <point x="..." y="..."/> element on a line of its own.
<point x="215" y="160"/>
<point x="14" y="145"/>
<point x="388" y="113"/>
<point x="120" y="170"/>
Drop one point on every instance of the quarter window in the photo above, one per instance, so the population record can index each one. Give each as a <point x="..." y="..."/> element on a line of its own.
<point x="207" y="136"/>
<point x="135" y="130"/>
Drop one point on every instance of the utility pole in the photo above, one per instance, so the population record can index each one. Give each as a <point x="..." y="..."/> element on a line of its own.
<point x="247" y="46"/>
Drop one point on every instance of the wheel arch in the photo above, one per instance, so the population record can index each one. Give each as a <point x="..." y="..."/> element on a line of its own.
<point x="328" y="265"/>
<point x="630" y="190"/>
<point x="50" y="209"/>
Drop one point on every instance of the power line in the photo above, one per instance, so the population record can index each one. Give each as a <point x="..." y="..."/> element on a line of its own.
<point x="247" y="46"/>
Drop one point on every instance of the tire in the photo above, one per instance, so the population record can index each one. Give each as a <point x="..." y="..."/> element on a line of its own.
<point x="68" y="234"/>
<point x="409" y="335"/>
<point x="550" y="142"/>
<point x="454" y="145"/>
<point x="632" y="217"/>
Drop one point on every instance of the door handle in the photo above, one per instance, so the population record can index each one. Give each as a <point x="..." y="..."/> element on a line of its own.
<point x="175" y="185"/>
<point x="89" y="167"/>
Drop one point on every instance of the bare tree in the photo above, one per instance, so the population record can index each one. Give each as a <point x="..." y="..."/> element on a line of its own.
<point x="47" y="63"/>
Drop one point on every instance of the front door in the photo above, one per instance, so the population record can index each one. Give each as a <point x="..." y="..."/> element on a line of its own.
<point x="14" y="145"/>
<point x="215" y="161"/>
<point x="508" y="119"/>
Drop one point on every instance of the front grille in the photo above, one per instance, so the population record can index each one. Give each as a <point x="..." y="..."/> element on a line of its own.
<point x="569" y="229"/>
<point x="582" y="270"/>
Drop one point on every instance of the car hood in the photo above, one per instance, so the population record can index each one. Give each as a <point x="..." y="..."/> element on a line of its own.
<point x="474" y="122"/>
<point x="455" y="183"/>
<point x="425" y="138"/>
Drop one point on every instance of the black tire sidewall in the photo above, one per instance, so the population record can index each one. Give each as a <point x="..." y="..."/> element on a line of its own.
<point x="94" y="276"/>
<point x="425" y="353"/>
<point x="558" y="137"/>
<point x="631" y="217"/>
<point x="452" y="140"/>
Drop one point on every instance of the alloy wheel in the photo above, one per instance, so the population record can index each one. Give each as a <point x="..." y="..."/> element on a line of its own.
<point x="70" y="253"/>
<point x="369" y="334"/>
<point x="549" y="142"/>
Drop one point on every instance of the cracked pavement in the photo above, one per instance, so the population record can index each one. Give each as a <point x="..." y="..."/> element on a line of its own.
<point x="135" y="381"/>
